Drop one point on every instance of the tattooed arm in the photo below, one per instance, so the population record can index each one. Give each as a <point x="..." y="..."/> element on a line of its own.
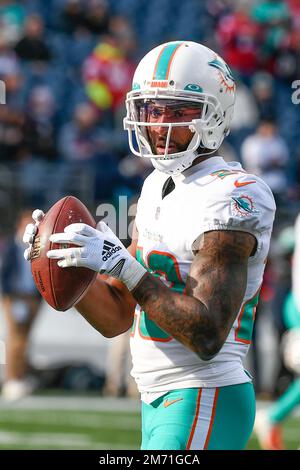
<point x="202" y="318"/>
<point x="108" y="305"/>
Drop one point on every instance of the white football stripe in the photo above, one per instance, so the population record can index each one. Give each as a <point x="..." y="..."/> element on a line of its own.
<point x="203" y="419"/>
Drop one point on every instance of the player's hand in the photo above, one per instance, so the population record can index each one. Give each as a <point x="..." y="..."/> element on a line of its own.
<point x="31" y="230"/>
<point x="99" y="250"/>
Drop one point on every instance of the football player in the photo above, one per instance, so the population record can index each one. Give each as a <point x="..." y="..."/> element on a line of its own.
<point x="189" y="283"/>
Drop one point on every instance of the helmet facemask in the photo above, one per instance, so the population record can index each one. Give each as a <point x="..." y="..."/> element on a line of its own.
<point x="201" y="114"/>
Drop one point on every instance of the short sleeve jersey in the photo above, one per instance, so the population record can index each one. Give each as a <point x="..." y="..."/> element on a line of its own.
<point x="213" y="195"/>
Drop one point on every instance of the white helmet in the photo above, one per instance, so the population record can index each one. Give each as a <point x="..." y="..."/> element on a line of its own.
<point x="189" y="72"/>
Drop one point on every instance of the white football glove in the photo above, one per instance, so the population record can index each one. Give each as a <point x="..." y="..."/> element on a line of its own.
<point x="99" y="250"/>
<point x="30" y="232"/>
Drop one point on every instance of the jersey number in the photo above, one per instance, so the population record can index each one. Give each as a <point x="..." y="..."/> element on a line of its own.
<point x="162" y="265"/>
<point x="243" y="332"/>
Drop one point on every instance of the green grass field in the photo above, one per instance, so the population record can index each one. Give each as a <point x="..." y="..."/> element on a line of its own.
<point x="31" y="428"/>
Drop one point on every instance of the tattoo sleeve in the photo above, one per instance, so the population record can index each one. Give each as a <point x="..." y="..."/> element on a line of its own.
<point x="202" y="317"/>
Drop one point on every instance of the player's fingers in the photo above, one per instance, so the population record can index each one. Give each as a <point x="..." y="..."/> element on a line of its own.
<point x="102" y="227"/>
<point x="70" y="237"/>
<point x="29" y="233"/>
<point x="27" y="254"/>
<point x="38" y="215"/>
<point x="82" y="229"/>
<point x="71" y="259"/>
<point x="59" y="238"/>
<point x="31" y="228"/>
<point x="60" y="254"/>
<point x="67" y="262"/>
<point x="63" y="264"/>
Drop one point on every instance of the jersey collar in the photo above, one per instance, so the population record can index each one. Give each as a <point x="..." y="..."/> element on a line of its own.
<point x="201" y="169"/>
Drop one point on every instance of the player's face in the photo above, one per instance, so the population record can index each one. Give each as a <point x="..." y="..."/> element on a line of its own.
<point x="166" y="111"/>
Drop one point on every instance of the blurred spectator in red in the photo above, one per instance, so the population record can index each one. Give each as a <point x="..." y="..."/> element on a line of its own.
<point x="108" y="71"/>
<point x="12" y="16"/>
<point x="274" y="20"/>
<point x="21" y="301"/>
<point x="294" y="6"/>
<point x="106" y="75"/>
<point x="262" y="88"/>
<point x="237" y="36"/>
<point x="40" y="129"/>
<point x="266" y="154"/>
<point x="32" y="46"/>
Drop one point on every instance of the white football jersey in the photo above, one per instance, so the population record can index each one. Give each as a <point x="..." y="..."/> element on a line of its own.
<point x="213" y="195"/>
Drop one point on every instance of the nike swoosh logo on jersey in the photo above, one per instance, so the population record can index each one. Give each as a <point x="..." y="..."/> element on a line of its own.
<point x="243" y="183"/>
<point x="168" y="403"/>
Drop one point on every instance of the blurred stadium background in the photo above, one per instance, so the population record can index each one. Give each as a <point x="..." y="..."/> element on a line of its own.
<point x="67" y="65"/>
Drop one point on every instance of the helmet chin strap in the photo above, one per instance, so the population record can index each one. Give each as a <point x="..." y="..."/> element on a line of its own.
<point x="176" y="165"/>
<point x="180" y="164"/>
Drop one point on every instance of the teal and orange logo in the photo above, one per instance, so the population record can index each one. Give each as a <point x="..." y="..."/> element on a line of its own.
<point x="243" y="206"/>
<point x="223" y="173"/>
<point x="225" y="74"/>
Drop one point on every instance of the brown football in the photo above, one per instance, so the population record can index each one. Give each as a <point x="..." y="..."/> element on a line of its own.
<point x="60" y="287"/>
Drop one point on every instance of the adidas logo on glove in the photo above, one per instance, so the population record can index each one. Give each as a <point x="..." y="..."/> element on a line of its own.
<point x="109" y="249"/>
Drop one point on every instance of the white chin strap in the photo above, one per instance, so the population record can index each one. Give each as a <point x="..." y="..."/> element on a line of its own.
<point x="176" y="165"/>
<point x="179" y="164"/>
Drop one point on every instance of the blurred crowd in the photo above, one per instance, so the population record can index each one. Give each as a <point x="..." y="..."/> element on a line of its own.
<point x="67" y="65"/>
